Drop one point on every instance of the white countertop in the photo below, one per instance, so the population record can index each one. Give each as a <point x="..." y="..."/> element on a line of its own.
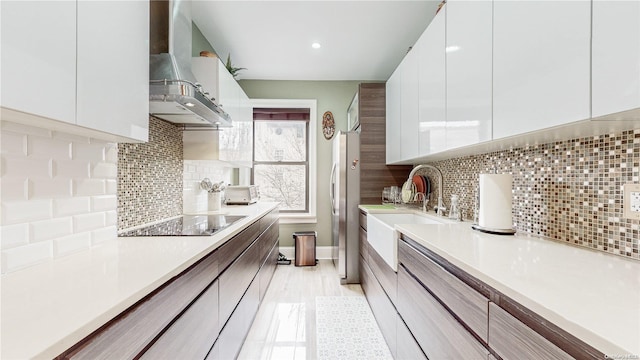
<point x="593" y="295"/>
<point x="49" y="307"/>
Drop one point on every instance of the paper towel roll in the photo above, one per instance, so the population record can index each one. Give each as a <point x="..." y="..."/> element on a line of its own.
<point x="495" y="201"/>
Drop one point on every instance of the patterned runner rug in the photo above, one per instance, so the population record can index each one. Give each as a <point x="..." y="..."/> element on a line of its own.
<point x="346" y="329"/>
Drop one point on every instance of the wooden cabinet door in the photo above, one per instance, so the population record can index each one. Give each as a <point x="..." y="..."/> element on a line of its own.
<point x="393" y="120"/>
<point x="541" y="65"/>
<point x="113" y="67"/>
<point x="235" y="331"/>
<point x="381" y="307"/>
<point x="192" y="335"/>
<point x="432" y="86"/>
<point x="439" y="334"/>
<point x="469" y="32"/>
<point x="512" y="339"/>
<point x="615" y="57"/>
<point x="407" y="347"/>
<point x="39" y="58"/>
<point x="235" y="280"/>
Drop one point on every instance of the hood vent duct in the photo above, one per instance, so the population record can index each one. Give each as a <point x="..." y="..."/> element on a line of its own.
<point x="174" y="93"/>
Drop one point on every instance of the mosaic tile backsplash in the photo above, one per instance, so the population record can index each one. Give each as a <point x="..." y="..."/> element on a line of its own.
<point x="150" y="177"/>
<point x="569" y="191"/>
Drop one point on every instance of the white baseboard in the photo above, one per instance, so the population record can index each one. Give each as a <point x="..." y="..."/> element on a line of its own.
<point x="322" y="252"/>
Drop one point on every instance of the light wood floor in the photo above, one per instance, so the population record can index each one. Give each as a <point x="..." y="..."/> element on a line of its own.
<point x="285" y="326"/>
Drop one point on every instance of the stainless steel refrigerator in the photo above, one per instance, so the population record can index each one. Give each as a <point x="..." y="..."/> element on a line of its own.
<point x="345" y="198"/>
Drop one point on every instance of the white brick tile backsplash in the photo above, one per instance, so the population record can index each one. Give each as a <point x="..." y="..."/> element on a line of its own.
<point x="23" y="256"/>
<point x="58" y="194"/>
<point x="111" y="153"/>
<point x="71" y="206"/>
<point x="14" y="235"/>
<point x="89" y="187"/>
<point x="104" y="234"/>
<point x="111" y="187"/>
<point x="25" y="129"/>
<point x="15" y="212"/>
<point x="88" y="222"/>
<point x="50" y="229"/>
<point x="71" y="168"/>
<point x="13" y="143"/>
<point x="111" y="218"/>
<point x="21" y="167"/>
<point x="104" y="170"/>
<point x="72" y="243"/>
<point x="104" y="203"/>
<point x="43" y="188"/>
<point x="90" y="152"/>
<point x="14" y="189"/>
<point x="42" y="146"/>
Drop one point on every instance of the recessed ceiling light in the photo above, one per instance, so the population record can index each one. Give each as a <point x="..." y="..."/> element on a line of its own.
<point x="452" y="48"/>
<point x="190" y="104"/>
<point x="315" y="45"/>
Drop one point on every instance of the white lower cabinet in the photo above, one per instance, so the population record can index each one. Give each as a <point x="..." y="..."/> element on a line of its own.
<point x="541" y="65"/>
<point x="615" y="57"/>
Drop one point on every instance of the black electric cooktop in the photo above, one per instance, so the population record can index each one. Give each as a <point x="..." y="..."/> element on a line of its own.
<point x="187" y="225"/>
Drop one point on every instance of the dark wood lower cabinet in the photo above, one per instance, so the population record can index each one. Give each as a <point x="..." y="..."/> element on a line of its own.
<point x="381" y="306"/>
<point x="512" y="339"/>
<point x="407" y="348"/>
<point x="439" y="334"/>
<point x="191" y="336"/>
<point x="206" y="311"/>
<point x="232" y="336"/>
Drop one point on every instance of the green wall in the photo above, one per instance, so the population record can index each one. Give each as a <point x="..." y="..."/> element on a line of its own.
<point x="199" y="42"/>
<point x="334" y="96"/>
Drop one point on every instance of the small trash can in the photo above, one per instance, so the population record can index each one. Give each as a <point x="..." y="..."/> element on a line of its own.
<point x="305" y="248"/>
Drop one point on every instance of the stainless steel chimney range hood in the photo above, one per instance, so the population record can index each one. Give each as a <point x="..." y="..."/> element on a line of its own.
<point x="174" y="93"/>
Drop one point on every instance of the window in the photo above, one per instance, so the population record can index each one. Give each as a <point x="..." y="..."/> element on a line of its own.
<point x="284" y="156"/>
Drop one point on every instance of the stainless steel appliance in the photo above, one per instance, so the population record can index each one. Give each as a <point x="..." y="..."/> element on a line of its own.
<point x="174" y="92"/>
<point x="187" y="225"/>
<point x="345" y="198"/>
<point x="241" y="195"/>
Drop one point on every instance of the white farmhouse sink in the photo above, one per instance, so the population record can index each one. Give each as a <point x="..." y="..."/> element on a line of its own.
<point x="383" y="237"/>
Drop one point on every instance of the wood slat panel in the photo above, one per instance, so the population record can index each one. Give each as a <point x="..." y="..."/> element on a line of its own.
<point x="512" y="339"/>
<point x="467" y="304"/>
<point x="439" y="334"/>
<point x="372" y="103"/>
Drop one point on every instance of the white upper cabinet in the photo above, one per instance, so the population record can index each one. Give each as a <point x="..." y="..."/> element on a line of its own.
<point x="39" y="58"/>
<point x="468" y="74"/>
<point x="541" y="64"/>
<point x="235" y="143"/>
<point x="78" y="62"/>
<point x="616" y="56"/>
<point x="113" y="67"/>
<point x="432" y="86"/>
<point x="393" y="100"/>
<point x="409" y="106"/>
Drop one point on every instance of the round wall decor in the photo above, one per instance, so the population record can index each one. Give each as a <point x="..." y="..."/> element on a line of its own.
<point x="328" y="125"/>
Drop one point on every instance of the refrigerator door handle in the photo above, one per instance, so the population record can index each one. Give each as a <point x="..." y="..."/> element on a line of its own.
<point x="332" y="188"/>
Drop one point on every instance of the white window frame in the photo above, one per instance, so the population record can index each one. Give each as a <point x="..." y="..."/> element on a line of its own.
<point x="309" y="217"/>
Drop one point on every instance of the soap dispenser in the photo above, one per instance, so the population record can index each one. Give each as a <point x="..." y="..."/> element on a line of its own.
<point x="454" y="212"/>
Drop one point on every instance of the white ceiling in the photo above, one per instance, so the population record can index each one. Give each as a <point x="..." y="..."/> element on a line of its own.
<point x="361" y="40"/>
